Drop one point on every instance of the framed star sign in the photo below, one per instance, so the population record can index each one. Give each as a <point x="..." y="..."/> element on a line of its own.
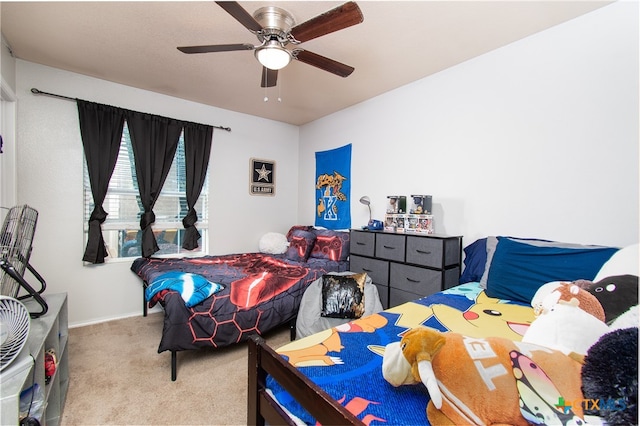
<point x="262" y="177"/>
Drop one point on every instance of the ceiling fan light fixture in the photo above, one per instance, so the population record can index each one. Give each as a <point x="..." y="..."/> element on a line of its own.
<point x="272" y="55"/>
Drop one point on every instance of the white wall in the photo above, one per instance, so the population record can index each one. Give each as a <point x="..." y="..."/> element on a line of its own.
<point x="7" y="64"/>
<point x="50" y="159"/>
<point x="536" y="139"/>
<point x="7" y="126"/>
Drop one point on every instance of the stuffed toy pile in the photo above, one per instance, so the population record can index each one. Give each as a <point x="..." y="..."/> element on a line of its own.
<point x="570" y="364"/>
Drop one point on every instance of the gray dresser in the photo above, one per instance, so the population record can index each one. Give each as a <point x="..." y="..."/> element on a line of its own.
<point x="406" y="267"/>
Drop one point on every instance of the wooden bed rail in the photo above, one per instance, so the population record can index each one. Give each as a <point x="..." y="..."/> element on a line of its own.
<point x="262" y="408"/>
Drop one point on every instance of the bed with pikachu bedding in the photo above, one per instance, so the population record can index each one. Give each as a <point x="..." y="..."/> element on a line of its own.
<point x="487" y="365"/>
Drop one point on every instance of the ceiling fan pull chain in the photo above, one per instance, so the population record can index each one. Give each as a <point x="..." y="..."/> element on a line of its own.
<point x="264" y="73"/>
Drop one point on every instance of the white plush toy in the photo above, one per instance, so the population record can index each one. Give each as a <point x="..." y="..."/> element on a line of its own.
<point x="541" y="301"/>
<point x="273" y="243"/>
<point x="631" y="318"/>
<point x="569" y="319"/>
<point x="567" y="328"/>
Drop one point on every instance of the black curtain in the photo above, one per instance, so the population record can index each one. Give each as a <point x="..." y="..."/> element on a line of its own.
<point x="154" y="140"/>
<point x="197" y="147"/>
<point x="101" y="130"/>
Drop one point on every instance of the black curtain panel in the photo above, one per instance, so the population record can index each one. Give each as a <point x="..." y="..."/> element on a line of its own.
<point x="154" y="140"/>
<point x="197" y="147"/>
<point x="101" y="130"/>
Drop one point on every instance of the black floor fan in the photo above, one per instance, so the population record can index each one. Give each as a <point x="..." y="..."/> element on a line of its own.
<point x="16" y="238"/>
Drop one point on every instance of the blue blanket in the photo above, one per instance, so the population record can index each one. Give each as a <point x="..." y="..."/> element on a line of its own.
<point x="193" y="288"/>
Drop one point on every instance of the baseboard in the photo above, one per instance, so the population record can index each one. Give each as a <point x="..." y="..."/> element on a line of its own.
<point x="155" y="309"/>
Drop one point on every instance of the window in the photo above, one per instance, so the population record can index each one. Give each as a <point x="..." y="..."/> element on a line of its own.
<point x="121" y="229"/>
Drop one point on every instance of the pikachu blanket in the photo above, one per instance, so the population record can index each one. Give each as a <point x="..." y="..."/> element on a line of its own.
<point x="346" y="361"/>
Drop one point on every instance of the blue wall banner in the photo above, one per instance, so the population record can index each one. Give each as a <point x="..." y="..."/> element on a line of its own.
<point x="333" y="188"/>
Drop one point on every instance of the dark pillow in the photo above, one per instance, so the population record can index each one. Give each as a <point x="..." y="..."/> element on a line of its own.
<point x="343" y="296"/>
<point x="297" y="228"/>
<point x="475" y="258"/>
<point x="615" y="294"/>
<point x="520" y="267"/>
<point x="331" y="245"/>
<point x="492" y="244"/>
<point x="300" y="245"/>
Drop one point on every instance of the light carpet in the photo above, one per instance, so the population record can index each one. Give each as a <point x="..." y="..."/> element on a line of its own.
<point x="117" y="377"/>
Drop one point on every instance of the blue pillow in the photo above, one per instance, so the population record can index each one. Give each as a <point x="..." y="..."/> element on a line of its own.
<point x="519" y="268"/>
<point x="475" y="258"/>
<point x="193" y="288"/>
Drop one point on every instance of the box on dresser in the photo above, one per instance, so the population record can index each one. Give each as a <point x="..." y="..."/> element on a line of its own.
<point x="421" y="204"/>
<point x="405" y="267"/>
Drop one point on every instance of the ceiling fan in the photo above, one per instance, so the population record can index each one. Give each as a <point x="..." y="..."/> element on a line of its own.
<point x="275" y="29"/>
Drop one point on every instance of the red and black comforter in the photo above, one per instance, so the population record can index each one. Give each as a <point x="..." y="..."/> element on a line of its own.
<point x="262" y="291"/>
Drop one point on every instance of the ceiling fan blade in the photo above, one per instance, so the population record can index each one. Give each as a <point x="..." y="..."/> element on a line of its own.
<point x="336" y="19"/>
<point x="269" y="77"/>
<point x="216" y="48"/>
<point x="241" y="15"/>
<point x="322" y="62"/>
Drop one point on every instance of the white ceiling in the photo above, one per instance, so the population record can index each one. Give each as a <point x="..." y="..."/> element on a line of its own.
<point x="134" y="43"/>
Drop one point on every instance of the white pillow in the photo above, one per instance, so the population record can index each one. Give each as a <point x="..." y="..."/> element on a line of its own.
<point x="623" y="262"/>
<point x="273" y="243"/>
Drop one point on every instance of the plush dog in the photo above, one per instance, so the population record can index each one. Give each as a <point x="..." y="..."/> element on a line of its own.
<point x="486" y="380"/>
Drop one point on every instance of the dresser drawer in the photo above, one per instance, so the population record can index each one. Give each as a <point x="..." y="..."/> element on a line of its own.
<point x="425" y="251"/>
<point x="398" y="297"/>
<point x="390" y="247"/>
<point x="413" y="279"/>
<point x="452" y="251"/>
<point x="451" y="277"/>
<point x="363" y="243"/>
<point x="383" y="292"/>
<point x="378" y="270"/>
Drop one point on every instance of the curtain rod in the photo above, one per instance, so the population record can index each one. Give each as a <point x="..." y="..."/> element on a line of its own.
<point x="40" y="92"/>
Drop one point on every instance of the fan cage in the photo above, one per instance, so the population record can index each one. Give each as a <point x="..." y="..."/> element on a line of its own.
<point x="14" y="329"/>
<point x="16" y="238"/>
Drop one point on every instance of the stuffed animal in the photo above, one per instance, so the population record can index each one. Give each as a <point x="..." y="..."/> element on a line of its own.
<point x="273" y="243"/>
<point x="486" y="380"/>
<point x="569" y="319"/>
<point x="616" y="294"/>
<point x="629" y="319"/>
<point x="610" y="377"/>
<point x="556" y="292"/>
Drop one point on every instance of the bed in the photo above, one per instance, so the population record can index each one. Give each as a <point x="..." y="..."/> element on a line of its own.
<point x="335" y="376"/>
<point x="217" y="301"/>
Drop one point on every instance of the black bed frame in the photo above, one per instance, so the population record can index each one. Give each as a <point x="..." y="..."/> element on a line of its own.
<point x="263" y="409"/>
<point x="174" y="354"/>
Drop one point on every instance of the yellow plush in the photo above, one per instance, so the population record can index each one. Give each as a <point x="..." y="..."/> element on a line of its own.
<point x="486" y="380"/>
